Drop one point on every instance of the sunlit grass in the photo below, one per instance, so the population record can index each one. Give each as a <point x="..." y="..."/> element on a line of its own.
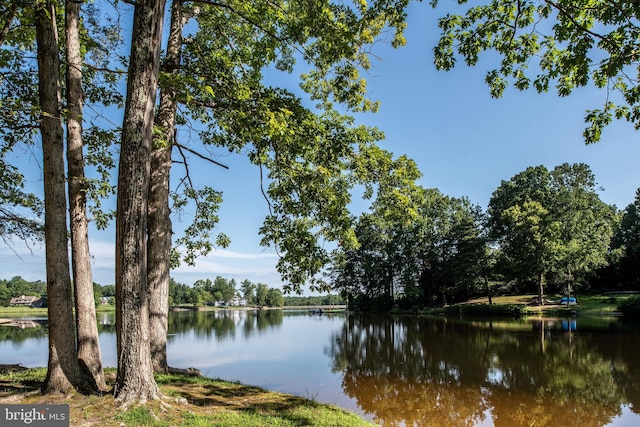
<point x="188" y="401"/>
<point x="32" y="311"/>
<point x="588" y="305"/>
<point x="22" y="311"/>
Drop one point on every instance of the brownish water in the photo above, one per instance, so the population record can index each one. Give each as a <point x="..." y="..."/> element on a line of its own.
<point x="438" y="372"/>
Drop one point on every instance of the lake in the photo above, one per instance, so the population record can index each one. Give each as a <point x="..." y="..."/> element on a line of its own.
<point x="405" y="370"/>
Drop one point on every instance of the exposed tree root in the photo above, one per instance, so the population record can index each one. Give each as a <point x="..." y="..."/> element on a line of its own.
<point x="188" y="371"/>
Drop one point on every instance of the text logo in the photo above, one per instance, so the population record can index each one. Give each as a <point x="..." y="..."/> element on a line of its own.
<point x="34" y="415"/>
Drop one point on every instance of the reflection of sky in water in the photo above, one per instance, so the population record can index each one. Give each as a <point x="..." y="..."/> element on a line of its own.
<point x="31" y="352"/>
<point x="289" y="358"/>
<point x="494" y="376"/>
<point x="626" y="419"/>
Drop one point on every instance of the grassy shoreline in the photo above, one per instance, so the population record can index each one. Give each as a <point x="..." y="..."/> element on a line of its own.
<point x="38" y="312"/>
<point x="588" y="305"/>
<point x="188" y="401"/>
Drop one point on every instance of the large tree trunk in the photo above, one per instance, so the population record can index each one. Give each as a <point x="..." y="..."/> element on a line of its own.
<point x="63" y="372"/>
<point x="134" y="381"/>
<point x="87" y="328"/>
<point x="159" y="228"/>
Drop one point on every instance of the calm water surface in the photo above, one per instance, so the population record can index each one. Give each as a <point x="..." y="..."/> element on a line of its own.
<point x="405" y="371"/>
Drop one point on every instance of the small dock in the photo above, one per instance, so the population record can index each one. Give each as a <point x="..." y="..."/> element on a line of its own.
<point x="19" y="323"/>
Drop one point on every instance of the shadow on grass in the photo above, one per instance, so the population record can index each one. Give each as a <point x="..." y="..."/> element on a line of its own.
<point x="240" y="398"/>
<point x="9" y="387"/>
<point x="208" y="395"/>
<point x="285" y="410"/>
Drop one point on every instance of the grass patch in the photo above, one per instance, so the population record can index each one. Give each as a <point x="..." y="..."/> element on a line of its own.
<point x="22" y="311"/>
<point x="140" y="416"/>
<point x="588" y="305"/>
<point x="14" y="312"/>
<point x="189" y="401"/>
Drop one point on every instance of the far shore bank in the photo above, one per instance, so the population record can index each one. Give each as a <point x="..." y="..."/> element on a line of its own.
<point x="588" y="305"/>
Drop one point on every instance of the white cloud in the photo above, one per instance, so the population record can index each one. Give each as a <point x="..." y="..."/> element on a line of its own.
<point x="256" y="267"/>
<point x="102" y="254"/>
<point x="22" y="260"/>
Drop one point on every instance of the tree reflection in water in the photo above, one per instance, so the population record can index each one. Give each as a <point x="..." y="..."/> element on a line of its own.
<point x="439" y="372"/>
<point x="222" y="324"/>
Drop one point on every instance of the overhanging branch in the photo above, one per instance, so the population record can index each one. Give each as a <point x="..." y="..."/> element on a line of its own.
<point x="203" y="157"/>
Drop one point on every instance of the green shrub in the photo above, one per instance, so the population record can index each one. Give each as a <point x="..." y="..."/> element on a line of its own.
<point x="630" y="307"/>
<point x="483" y="310"/>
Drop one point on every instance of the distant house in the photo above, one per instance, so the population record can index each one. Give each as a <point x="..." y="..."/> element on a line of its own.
<point x="26" y="301"/>
<point x="235" y="302"/>
<point x="238" y="302"/>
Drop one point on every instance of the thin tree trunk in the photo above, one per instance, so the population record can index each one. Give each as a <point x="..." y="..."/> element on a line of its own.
<point x="487" y="288"/>
<point x="86" y="325"/>
<point x="159" y="228"/>
<point x="63" y="373"/>
<point x="541" y="288"/>
<point x="134" y="380"/>
<point x="8" y="20"/>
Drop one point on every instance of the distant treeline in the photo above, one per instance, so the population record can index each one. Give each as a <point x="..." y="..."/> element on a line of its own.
<point x="203" y="292"/>
<point x="292" y="301"/>
<point x="18" y="286"/>
<point x="544" y="231"/>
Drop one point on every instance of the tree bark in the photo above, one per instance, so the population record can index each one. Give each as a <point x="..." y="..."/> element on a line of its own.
<point x="63" y="373"/>
<point x="541" y="288"/>
<point x="86" y="325"/>
<point x="134" y="380"/>
<point x="487" y="287"/>
<point x="8" y="20"/>
<point x="159" y="228"/>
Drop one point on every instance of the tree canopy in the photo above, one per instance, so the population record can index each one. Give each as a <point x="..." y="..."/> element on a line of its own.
<point x="309" y="157"/>
<point x="551" y="226"/>
<point x="424" y="248"/>
<point x="562" y="44"/>
<point x="625" y="248"/>
<point x="542" y="228"/>
<point x="20" y="212"/>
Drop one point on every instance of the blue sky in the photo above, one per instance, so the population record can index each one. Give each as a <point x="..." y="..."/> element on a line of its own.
<point x="464" y="142"/>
